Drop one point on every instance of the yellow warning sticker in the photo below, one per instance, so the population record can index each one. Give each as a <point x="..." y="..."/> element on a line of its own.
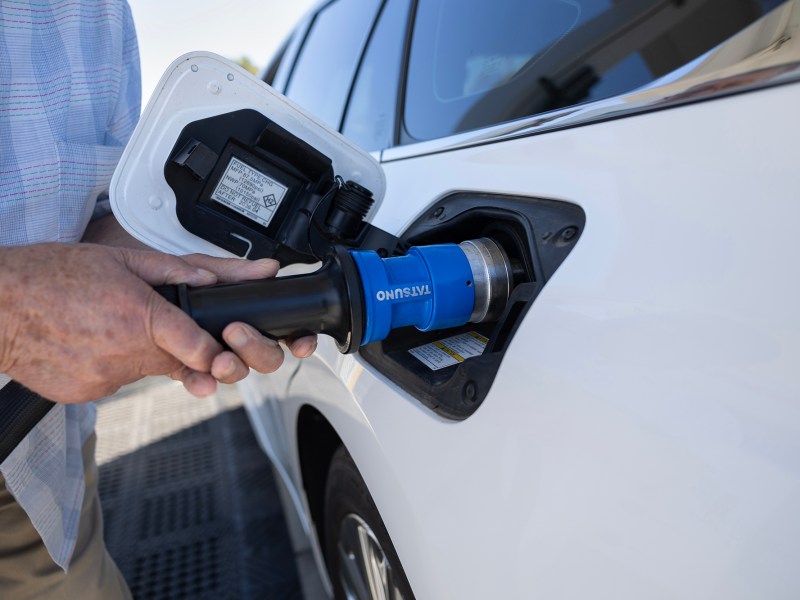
<point x="450" y="351"/>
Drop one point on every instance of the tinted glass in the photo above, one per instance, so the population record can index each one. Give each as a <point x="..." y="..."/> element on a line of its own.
<point x="370" y="117"/>
<point x="277" y="73"/>
<point x="275" y="64"/>
<point x="320" y="81"/>
<point x="475" y="63"/>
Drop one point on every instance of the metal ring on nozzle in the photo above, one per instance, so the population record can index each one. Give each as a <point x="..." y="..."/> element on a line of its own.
<point x="491" y="275"/>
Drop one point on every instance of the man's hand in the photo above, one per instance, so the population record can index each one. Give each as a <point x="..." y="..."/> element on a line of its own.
<point x="77" y="321"/>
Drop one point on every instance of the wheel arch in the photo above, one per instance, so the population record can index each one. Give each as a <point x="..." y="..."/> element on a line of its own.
<point x="317" y="441"/>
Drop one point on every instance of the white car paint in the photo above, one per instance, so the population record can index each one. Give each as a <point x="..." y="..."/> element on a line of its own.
<point x="642" y="437"/>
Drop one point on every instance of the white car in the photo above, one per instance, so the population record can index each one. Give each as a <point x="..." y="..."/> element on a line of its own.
<point x="630" y="426"/>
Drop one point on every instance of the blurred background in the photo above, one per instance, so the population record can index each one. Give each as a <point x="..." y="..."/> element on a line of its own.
<point x="246" y="31"/>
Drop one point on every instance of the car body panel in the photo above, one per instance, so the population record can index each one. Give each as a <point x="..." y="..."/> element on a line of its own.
<point x="643" y="429"/>
<point x="642" y="436"/>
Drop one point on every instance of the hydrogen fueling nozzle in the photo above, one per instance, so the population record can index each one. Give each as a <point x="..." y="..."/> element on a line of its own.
<point x="357" y="297"/>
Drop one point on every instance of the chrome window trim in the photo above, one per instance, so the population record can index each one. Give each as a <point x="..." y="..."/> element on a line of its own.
<point x="771" y="49"/>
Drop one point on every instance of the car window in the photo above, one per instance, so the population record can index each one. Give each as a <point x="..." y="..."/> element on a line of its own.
<point x="280" y="67"/>
<point x="475" y="63"/>
<point x="370" y="117"/>
<point x="321" y="79"/>
<point x="279" y="60"/>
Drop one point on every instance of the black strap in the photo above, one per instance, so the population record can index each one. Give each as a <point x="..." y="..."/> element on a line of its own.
<point x="20" y="411"/>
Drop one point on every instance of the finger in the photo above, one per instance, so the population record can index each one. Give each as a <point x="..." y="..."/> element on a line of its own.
<point x="196" y="383"/>
<point x="164" y="269"/>
<point x="258" y="352"/>
<point x="176" y="333"/>
<point x="228" y="368"/>
<point x="230" y="270"/>
<point x="302" y="347"/>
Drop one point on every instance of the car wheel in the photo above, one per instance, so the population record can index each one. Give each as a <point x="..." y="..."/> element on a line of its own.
<point x="362" y="561"/>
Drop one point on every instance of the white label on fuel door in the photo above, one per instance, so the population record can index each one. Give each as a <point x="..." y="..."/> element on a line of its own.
<point x="249" y="192"/>
<point x="450" y="351"/>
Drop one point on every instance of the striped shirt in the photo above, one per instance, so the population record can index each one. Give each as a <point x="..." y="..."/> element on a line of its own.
<point x="70" y="97"/>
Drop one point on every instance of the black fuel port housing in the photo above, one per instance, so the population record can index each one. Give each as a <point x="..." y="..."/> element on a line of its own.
<point x="537" y="235"/>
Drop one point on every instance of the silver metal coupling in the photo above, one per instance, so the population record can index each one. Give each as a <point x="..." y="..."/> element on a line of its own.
<point x="491" y="275"/>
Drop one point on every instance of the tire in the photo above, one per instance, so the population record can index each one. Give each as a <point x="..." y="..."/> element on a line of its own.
<point x="362" y="562"/>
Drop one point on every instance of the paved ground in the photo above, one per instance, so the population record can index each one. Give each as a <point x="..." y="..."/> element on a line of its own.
<point x="189" y="499"/>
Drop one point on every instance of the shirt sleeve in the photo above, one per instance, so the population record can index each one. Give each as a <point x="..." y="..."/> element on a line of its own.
<point x="129" y="100"/>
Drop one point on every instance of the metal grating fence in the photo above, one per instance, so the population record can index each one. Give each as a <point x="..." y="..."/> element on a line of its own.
<point x="190" y="504"/>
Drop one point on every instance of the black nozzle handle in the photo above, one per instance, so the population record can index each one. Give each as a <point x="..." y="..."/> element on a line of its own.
<point x="282" y="307"/>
